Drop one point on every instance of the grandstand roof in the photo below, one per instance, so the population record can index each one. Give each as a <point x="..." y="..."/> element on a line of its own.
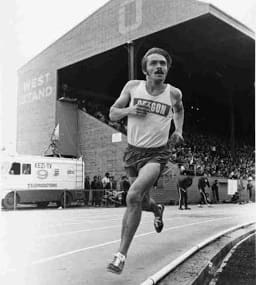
<point x="195" y="27"/>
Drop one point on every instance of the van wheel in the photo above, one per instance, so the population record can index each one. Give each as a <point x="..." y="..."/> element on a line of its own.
<point x="42" y="205"/>
<point x="68" y="200"/>
<point x="8" y="201"/>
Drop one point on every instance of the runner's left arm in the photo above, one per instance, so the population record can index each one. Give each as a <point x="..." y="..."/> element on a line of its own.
<point x="178" y="116"/>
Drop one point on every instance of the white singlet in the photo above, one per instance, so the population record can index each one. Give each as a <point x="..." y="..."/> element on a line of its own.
<point x="153" y="129"/>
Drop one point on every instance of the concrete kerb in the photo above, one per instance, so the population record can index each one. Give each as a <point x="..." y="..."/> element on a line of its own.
<point x="152" y="280"/>
<point x="209" y="271"/>
<point x="224" y="261"/>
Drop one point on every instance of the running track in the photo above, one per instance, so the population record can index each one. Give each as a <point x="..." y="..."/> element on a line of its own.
<point x="73" y="246"/>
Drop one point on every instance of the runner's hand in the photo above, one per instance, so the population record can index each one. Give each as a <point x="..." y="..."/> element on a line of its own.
<point x="176" y="138"/>
<point x="139" y="110"/>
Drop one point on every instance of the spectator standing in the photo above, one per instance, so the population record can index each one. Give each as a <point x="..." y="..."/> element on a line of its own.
<point x="100" y="191"/>
<point x="87" y="187"/>
<point x="184" y="182"/>
<point x="113" y="183"/>
<point x="202" y="183"/>
<point x="124" y="186"/>
<point x="215" y="191"/>
<point x="106" y="181"/>
<point x="99" y="182"/>
<point x="250" y="188"/>
<point x="240" y="190"/>
<point x="94" y="187"/>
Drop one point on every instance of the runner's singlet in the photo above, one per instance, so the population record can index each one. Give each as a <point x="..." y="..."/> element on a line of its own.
<point x="153" y="129"/>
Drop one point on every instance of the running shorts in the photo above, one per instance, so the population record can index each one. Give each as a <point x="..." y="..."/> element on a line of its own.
<point x="136" y="157"/>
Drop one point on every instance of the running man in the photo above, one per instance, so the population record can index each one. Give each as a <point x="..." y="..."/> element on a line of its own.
<point x="150" y="106"/>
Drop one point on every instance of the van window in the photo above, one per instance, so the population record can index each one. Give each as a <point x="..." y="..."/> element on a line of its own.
<point x="15" y="169"/>
<point x="26" y="168"/>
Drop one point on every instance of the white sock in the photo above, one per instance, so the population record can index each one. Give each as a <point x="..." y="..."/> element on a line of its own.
<point x="120" y="256"/>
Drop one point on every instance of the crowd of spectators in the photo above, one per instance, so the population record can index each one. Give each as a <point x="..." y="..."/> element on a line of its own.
<point x="205" y="153"/>
<point x="100" y="112"/>
<point x="105" y="187"/>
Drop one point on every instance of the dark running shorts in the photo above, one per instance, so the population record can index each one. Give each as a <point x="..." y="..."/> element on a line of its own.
<point x="136" y="157"/>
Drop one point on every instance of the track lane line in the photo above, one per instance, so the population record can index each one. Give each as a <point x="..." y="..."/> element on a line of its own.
<point x="95" y="229"/>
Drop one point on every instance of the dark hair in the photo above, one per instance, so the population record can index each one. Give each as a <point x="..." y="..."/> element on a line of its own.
<point x="158" y="51"/>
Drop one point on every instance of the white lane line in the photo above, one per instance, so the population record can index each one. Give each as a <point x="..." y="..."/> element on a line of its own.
<point x="96" y="229"/>
<point x="85" y="219"/>
<point x="71" y="219"/>
<point x="54" y="257"/>
<point x="89" y="221"/>
<point x="75" y="232"/>
<point x="90" y="230"/>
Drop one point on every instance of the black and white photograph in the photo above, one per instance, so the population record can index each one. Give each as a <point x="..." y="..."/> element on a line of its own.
<point x="127" y="142"/>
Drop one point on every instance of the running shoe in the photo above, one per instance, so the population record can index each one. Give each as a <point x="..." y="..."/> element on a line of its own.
<point x="117" y="265"/>
<point x="158" y="221"/>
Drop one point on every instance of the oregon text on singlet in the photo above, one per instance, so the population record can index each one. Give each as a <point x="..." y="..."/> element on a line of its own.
<point x="153" y="129"/>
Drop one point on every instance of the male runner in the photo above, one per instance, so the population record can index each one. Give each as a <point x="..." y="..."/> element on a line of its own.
<point x="150" y="106"/>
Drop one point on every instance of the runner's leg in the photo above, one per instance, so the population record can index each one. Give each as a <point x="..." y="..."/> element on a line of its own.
<point x="146" y="178"/>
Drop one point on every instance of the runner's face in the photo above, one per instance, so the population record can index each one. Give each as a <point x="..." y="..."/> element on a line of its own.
<point x="156" y="67"/>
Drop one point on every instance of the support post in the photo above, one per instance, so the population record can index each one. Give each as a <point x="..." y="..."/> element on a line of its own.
<point x="131" y="61"/>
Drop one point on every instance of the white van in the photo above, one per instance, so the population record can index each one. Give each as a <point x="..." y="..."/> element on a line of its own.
<point x="40" y="180"/>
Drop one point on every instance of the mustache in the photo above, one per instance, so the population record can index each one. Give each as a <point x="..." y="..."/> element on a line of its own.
<point x="159" y="71"/>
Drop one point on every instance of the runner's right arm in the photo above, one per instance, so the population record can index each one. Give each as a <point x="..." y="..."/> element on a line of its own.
<point x="121" y="108"/>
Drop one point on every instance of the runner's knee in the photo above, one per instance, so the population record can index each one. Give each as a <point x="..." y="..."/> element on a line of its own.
<point x="146" y="205"/>
<point x="133" y="197"/>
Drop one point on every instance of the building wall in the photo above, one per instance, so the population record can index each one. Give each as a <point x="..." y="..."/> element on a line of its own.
<point x="35" y="110"/>
<point x="101" y="155"/>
